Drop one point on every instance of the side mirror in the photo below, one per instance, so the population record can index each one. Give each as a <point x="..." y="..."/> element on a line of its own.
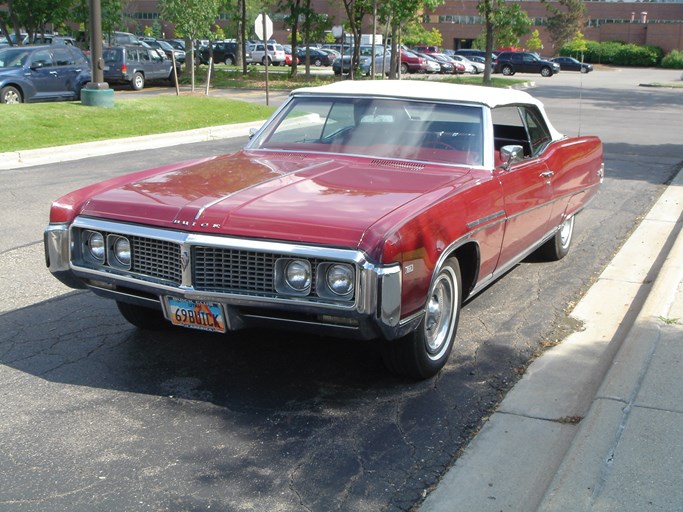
<point x="37" y="65"/>
<point x="511" y="154"/>
<point x="252" y="132"/>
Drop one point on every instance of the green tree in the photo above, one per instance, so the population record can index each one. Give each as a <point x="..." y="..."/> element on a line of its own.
<point x="577" y="46"/>
<point x="504" y="24"/>
<point x="35" y="15"/>
<point x="415" y="34"/>
<point x="295" y="10"/>
<point x="567" y="17"/>
<point x="534" y="43"/>
<point x="193" y="19"/>
<point x="356" y="10"/>
<point x="399" y="15"/>
<point x="112" y="15"/>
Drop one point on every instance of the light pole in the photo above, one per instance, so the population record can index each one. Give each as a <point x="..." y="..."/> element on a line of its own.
<point x="97" y="92"/>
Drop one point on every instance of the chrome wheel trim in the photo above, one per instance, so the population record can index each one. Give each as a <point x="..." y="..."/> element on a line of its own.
<point x="566" y="231"/>
<point x="11" y="97"/>
<point x="440" y="313"/>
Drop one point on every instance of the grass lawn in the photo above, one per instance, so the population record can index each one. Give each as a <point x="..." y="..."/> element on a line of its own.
<point x="39" y="125"/>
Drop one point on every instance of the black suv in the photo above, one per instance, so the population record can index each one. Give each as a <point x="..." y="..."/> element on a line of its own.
<point x="135" y="65"/>
<point x="510" y="63"/>
<point x="222" y="52"/>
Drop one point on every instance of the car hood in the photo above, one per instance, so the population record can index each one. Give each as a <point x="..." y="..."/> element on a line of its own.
<point x="286" y="196"/>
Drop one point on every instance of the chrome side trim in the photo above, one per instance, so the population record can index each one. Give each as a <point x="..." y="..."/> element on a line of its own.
<point x="473" y="224"/>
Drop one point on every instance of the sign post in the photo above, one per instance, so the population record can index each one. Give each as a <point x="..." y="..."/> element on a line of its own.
<point x="263" y="26"/>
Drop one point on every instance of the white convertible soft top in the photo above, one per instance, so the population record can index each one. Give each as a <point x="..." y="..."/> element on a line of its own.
<point x="424" y="90"/>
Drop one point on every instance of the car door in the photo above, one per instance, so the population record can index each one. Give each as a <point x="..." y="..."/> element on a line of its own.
<point x="158" y="69"/>
<point x="44" y="76"/>
<point x="526" y="184"/>
<point x="68" y="72"/>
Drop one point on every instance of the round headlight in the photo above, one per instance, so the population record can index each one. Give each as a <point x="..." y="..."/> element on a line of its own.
<point x="122" y="251"/>
<point x="96" y="245"/>
<point x="340" y="279"/>
<point x="298" y="275"/>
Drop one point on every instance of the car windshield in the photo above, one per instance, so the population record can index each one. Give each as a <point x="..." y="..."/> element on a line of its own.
<point x="13" y="57"/>
<point x="377" y="127"/>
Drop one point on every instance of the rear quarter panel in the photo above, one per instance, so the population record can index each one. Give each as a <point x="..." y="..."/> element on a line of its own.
<point x="577" y="166"/>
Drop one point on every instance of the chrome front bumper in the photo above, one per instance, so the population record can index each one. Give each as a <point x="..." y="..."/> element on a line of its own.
<point x="374" y="311"/>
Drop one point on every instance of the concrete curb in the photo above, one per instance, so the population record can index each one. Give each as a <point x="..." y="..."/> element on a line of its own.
<point x="21" y="159"/>
<point x="626" y="454"/>
<point x="513" y="461"/>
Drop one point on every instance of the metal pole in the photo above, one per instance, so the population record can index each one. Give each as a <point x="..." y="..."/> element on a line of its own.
<point x="96" y="46"/>
<point x="97" y="93"/>
<point x="265" y="47"/>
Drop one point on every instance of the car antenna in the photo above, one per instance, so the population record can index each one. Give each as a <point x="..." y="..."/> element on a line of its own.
<point x="580" y="93"/>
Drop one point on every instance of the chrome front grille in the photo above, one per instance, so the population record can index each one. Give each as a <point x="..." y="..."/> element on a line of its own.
<point x="216" y="269"/>
<point x="163" y="258"/>
<point x="225" y="270"/>
<point x="157" y="259"/>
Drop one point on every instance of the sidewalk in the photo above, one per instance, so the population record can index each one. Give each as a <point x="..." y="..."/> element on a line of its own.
<point x="596" y="423"/>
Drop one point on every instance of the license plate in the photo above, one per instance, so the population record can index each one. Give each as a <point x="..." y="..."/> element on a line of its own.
<point x="207" y="316"/>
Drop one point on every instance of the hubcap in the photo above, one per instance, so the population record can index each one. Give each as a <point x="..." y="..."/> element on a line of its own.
<point x="440" y="311"/>
<point x="566" y="231"/>
<point x="11" y="97"/>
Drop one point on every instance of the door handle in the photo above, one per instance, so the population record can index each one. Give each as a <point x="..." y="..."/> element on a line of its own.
<point x="547" y="174"/>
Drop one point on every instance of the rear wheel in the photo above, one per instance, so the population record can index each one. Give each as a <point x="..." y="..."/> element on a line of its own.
<point x="558" y="246"/>
<point x="10" y="95"/>
<point x="229" y="61"/>
<point x="142" y="317"/>
<point x="138" y="81"/>
<point x="507" y="70"/>
<point x="422" y="353"/>
<point x="404" y="68"/>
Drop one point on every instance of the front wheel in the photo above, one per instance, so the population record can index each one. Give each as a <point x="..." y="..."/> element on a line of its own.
<point x="229" y="61"/>
<point x="263" y="61"/>
<point x="546" y="71"/>
<point x="422" y="353"/>
<point x="10" y="95"/>
<point x="558" y="246"/>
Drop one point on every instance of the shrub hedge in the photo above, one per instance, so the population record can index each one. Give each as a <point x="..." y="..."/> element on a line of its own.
<point x="619" y="53"/>
<point x="673" y="60"/>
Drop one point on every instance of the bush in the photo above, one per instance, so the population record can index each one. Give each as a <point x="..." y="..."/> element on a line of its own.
<point x="673" y="60"/>
<point x="636" y="55"/>
<point x="617" y="52"/>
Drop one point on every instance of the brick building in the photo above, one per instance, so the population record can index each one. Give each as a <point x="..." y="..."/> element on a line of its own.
<point x="658" y="23"/>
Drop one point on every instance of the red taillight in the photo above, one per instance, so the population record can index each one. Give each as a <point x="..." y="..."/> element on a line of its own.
<point x="124" y="68"/>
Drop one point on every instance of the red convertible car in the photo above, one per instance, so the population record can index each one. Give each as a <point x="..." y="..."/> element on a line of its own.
<point x="367" y="210"/>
